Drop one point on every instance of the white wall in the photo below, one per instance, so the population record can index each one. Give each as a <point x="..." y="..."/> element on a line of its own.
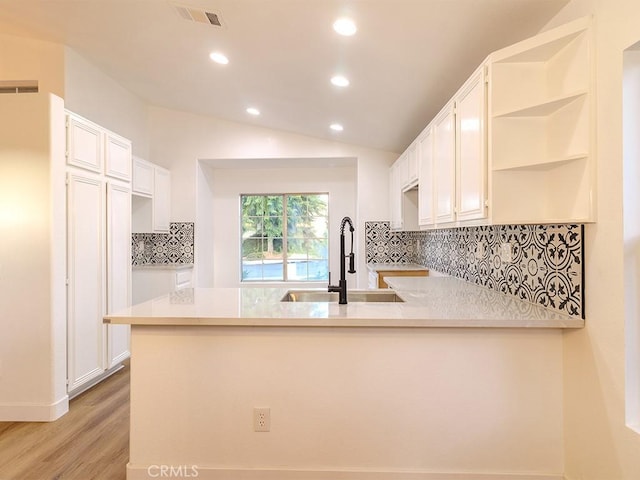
<point x="631" y="178"/>
<point x="179" y="140"/>
<point x="90" y="92"/>
<point x="32" y="253"/>
<point x="598" y="444"/>
<point x="29" y="59"/>
<point x="224" y="219"/>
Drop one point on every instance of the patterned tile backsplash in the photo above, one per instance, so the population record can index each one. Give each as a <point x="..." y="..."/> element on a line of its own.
<point x="546" y="264"/>
<point x="177" y="246"/>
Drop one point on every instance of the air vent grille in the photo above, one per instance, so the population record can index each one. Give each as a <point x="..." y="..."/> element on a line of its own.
<point x="19" y="86"/>
<point x="198" y="15"/>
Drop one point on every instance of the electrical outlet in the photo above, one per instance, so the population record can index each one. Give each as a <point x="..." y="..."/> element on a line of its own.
<point x="261" y="419"/>
<point x="141" y="246"/>
<point x="506" y="253"/>
<point x="480" y="251"/>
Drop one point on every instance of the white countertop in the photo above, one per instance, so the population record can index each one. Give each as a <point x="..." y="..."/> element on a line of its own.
<point x="429" y="302"/>
<point x="162" y="266"/>
<point x="395" y="267"/>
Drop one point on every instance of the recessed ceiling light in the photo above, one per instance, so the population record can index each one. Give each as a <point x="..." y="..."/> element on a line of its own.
<point x="219" y="58"/>
<point x="340" y="81"/>
<point x="345" y="26"/>
<point x="336" y="127"/>
<point x="253" y="111"/>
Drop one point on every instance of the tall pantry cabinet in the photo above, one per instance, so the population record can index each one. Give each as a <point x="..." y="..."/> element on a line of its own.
<point x="98" y="249"/>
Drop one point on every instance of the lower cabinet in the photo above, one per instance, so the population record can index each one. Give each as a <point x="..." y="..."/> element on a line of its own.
<point x="99" y="278"/>
<point x="118" y="268"/>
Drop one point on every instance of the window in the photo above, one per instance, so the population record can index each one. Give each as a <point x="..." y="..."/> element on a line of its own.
<point x="285" y="237"/>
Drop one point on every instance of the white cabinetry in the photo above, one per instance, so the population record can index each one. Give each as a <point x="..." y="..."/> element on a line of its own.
<point x="118" y="263"/>
<point x="444" y="164"/>
<point x="395" y="196"/>
<point x="94" y="148"/>
<point x="98" y="250"/>
<point x="84" y="144"/>
<point x="459" y="156"/>
<point x="518" y="151"/>
<point x="117" y="156"/>
<point x="85" y="273"/>
<point x="161" y="199"/>
<point x="426" y="186"/>
<point x="541" y="128"/>
<point x="403" y="191"/>
<point x="471" y="153"/>
<point x="142" y="182"/>
<point x="152" y="197"/>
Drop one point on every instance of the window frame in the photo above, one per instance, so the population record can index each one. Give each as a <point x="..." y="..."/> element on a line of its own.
<point x="285" y="236"/>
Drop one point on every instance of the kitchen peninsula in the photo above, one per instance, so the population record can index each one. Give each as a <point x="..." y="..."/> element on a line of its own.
<point x="368" y="390"/>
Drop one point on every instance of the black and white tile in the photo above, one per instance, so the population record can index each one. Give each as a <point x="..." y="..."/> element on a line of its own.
<point x="546" y="268"/>
<point x="175" y="247"/>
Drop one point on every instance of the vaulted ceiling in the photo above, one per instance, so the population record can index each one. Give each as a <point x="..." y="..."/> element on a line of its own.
<point x="404" y="62"/>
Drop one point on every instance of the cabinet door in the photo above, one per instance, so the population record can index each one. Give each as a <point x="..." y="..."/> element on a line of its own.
<point x="395" y="197"/>
<point x="85" y="272"/>
<point x="444" y="149"/>
<point x="84" y="144"/>
<point x="117" y="157"/>
<point x="161" y="199"/>
<point x="425" y="190"/>
<point x="402" y="178"/>
<point x="118" y="268"/>
<point x="142" y="182"/>
<point x="471" y="178"/>
<point x="412" y="164"/>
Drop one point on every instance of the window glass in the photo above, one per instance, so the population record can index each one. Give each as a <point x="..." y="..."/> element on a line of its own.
<point x="285" y="237"/>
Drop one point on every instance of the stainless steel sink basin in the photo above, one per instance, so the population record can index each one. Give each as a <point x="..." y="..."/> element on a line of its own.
<point x="352" y="296"/>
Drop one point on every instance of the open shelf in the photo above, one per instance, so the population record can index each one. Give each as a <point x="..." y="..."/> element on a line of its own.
<point x="544" y="164"/>
<point x="543" y="109"/>
<point x="541" y="128"/>
<point x="562" y="191"/>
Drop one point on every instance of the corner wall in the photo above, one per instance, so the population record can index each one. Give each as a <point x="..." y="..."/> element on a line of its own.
<point x="598" y="443"/>
<point x="32" y="253"/>
<point x="180" y="140"/>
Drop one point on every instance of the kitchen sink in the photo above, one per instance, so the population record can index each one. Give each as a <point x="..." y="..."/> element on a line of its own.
<point x="352" y="296"/>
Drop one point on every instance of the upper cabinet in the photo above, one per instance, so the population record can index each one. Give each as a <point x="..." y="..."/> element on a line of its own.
<point x="117" y="156"/>
<point x="161" y="199"/>
<point x="471" y="150"/>
<point x="403" y="191"/>
<point x="425" y="182"/>
<point x="142" y="183"/>
<point x="541" y="128"/>
<point x="151" y="203"/>
<point x="515" y="143"/>
<point x="444" y="164"/>
<point x="453" y="159"/>
<point x="84" y="144"/>
<point x="94" y="148"/>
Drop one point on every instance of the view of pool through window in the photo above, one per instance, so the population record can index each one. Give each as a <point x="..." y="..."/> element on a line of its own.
<point x="285" y="237"/>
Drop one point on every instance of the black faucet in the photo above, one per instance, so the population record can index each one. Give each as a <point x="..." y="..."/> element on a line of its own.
<point x="342" y="285"/>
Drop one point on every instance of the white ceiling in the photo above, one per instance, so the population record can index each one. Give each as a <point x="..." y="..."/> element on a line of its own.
<point x="406" y="60"/>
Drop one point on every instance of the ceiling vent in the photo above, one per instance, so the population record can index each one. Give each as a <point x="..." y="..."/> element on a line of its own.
<point x="198" y="15"/>
<point x="19" y="86"/>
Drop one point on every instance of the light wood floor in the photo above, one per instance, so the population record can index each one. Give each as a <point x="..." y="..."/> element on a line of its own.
<point x="91" y="442"/>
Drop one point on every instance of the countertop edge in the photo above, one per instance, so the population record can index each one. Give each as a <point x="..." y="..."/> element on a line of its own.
<point x="300" y="322"/>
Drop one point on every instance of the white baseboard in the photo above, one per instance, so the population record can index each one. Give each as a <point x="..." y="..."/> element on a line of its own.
<point x="94" y="381"/>
<point x="187" y="472"/>
<point x="34" y="412"/>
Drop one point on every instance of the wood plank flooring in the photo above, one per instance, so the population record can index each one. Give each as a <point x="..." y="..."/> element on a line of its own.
<point x="91" y="442"/>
